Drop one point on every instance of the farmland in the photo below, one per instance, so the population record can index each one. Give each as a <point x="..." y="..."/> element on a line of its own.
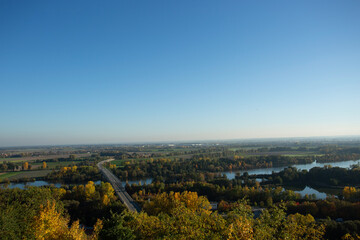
<point x="24" y="174"/>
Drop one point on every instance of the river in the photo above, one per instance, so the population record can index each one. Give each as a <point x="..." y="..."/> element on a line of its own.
<point x="230" y="175"/>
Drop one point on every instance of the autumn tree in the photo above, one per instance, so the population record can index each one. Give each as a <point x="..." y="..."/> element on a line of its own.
<point x="298" y="226"/>
<point x="26" y="166"/>
<point x="89" y="190"/>
<point x="350" y="193"/>
<point x="165" y="202"/>
<point x="44" y="165"/>
<point x="50" y="224"/>
<point x="273" y="224"/>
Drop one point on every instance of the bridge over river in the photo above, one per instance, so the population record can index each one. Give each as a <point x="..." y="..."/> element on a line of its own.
<point x="118" y="187"/>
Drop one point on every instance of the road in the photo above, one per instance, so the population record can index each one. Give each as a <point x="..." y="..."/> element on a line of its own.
<point x="119" y="189"/>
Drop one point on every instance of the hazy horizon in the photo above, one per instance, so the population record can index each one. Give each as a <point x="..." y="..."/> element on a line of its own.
<point x="188" y="141"/>
<point x="89" y="72"/>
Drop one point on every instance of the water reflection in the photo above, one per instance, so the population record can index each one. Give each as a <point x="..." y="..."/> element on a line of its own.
<point x="138" y="182"/>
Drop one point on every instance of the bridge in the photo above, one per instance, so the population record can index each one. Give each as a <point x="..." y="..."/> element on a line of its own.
<point x="118" y="187"/>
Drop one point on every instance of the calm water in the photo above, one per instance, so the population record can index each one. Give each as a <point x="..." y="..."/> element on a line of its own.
<point x="141" y="182"/>
<point x="344" y="164"/>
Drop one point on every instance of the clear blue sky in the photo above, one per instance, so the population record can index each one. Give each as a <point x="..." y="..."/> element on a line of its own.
<point x="75" y="72"/>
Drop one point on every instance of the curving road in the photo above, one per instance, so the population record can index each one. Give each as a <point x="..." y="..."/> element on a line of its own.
<point x="119" y="189"/>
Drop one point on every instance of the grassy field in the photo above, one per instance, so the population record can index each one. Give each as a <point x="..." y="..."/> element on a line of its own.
<point x="8" y="175"/>
<point x="25" y="174"/>
<point x="53" y="165"/>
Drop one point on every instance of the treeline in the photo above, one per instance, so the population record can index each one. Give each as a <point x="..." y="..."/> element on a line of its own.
<point x="175" y="169"/>
<point x="74" y="174"/>
<point x="341" y="230"/>
<point x="9" y="166"/>
<point x="153" y="152"/>
<point x="178" y="169"/>
<point x="13" y="166"/>
<point x="57" y="213"/>
<point x="187" y="216"/>
<point x="327" y="176"/>
<point x="326" y="149"/>
<point x="329" y="208"/>
<point x="338" y="157"/>
<point x="217" y="190"/>
<point x="90" y="202"/>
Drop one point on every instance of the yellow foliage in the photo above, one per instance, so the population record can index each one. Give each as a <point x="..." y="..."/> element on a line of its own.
<point x="58" y="192"/>
<point x="75" y="232"/>
<point x="105" y="200"/>
<point x="349" y="237"/>
<point x="147" y="226"/>
<point x="89" y="190"/>
<point x="49" y="224"/>
<point x="166" y="202"/>
<point x="349" y="192"/>
<point x="240" y="229"/>
<point x="74" y="168"/>
<point x="97" y="228"/>
<point x="79" y="190"/>
<point x="304" y="227"/>
<point x="26" y="165"/>
<point x="44" y="166"/>
<point x="107" y="189"/>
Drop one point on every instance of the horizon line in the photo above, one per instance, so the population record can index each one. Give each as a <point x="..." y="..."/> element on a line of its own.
<point x="181" y="141"/>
